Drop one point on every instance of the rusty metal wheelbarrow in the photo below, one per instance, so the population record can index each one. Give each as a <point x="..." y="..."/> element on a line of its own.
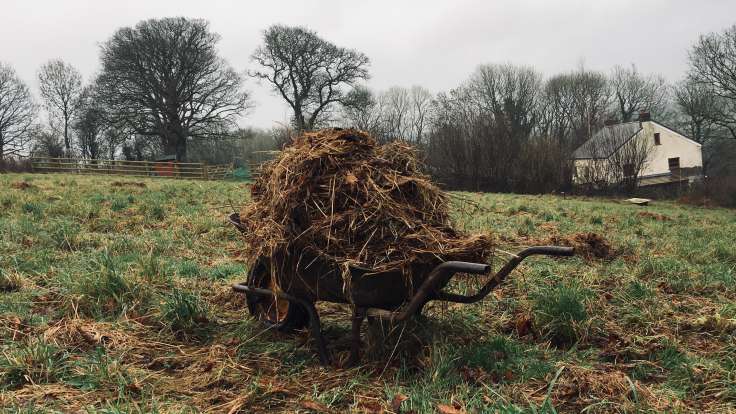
<point x="386" y="295"/>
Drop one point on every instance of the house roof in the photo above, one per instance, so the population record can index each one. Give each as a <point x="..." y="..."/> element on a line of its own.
<point x="607" y="140"/>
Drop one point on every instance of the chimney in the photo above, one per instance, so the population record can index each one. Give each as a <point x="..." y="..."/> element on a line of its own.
<point x="644" y="116"/>
<point x="610" y="121"/>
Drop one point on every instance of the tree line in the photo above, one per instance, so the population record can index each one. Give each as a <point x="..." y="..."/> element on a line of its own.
<point x="162" y="88"/>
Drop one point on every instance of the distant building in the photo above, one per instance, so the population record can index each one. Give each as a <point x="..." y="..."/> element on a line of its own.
<point x="670" y="156"/>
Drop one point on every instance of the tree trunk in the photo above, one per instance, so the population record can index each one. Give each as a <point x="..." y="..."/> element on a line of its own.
<point x="181" y="134"/>
<point x="170" y="146"/>
<point x="67" y="144"/>
<point x="299" y="119"/>
<point x="181" y="150"/>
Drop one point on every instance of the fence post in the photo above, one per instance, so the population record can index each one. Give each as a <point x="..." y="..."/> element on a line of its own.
<point x="205" y="171"/>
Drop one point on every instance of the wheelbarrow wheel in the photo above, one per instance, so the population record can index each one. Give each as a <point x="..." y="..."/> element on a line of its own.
<point x="278" y="313"/>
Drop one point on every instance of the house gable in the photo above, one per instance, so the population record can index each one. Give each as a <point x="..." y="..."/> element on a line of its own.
<point x="674" y="152"/>
<point x="677" y="133"/>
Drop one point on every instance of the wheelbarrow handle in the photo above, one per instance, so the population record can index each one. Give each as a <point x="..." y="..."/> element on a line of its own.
<point x="445" y="271"/>
<point x="547" y="250"/>
<point x="428" y="290"/>
<point x="234" y="219"/>
<point x="501" y="275"/>
<point x="466" y="267"/>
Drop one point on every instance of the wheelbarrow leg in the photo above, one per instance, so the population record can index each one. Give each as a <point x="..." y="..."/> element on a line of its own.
<point x="315" y="329"/>
<point x="358" y="317"/>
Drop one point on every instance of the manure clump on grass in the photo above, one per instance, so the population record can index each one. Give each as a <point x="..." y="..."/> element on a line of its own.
<point x="589" y="245"/>
<point x="339" y="196"/>
<point x="22" y="185"/>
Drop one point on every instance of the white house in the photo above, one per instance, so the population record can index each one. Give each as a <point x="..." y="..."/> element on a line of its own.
<point x="659" y="153"/>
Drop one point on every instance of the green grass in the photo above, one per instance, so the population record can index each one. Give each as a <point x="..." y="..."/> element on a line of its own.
<point x="116" y="299"/>
<point x="185" y="314"/>
<point x="104" y="291"/>
<point x="560" y="312"/>
<point x="10" y="282"/>
<point x="31" y="363"/>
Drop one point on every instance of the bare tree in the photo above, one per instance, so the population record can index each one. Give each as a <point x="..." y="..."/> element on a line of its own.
<point x="46" y="143"/>
<point x="713" y="66"/>
<point x="163" y="78"/>
<point x="628" y="161"/>
<point x="452" y="151"/>
<point x="139" y="147"/>
<point x="61" y="89"/>
<point x="397" y="113"/>
<point x="17" y="112"/>
<point x="90" y="124"/>
<point x="421" y="112"/>
<point x="480" y="130"/>
<point x="573" y="107"/>
<point x="405" y="114"/>
<point x="511" y="93"/>
<point x="397" y="106"/>
<point x="113" y="139"/>
<point x="309" y="72"/>
<point x="698" y="106"/>
<point x="633" y="92"/>
<point x="361" y="109"/>
<point x="507" y="98"/>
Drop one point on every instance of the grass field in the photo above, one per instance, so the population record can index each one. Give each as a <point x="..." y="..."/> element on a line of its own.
<point x="114" y="298"/>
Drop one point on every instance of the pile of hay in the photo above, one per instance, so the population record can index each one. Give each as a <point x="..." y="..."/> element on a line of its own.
<point x="339" y="195"/>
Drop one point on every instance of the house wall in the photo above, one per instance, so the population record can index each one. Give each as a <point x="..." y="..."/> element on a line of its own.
<point x="579" y="176"/>
<point x="673" y="145"/>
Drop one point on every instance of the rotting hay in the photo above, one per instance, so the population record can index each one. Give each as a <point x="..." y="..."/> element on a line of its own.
<point x="138" y="184"/>
<point x="602" y="386"/>
<point x="654" y="216"/>
<point x="589" y="245"/>
<point x="339" y="195"/>
<point x="21" y="185"/>
<point x="81" y="333"/>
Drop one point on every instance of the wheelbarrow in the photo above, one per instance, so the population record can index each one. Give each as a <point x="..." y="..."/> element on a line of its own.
<point x="288" y="303"/>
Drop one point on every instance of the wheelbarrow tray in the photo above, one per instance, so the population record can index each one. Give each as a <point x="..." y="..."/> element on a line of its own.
<point x="385" y="295"/>
<point x="315" y="279"/>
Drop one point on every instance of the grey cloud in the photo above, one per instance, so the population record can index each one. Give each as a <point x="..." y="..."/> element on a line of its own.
<point x="433" y="43"/>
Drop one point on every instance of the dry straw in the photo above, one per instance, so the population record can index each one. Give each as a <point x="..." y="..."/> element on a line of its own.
<point x="339" y="195"/>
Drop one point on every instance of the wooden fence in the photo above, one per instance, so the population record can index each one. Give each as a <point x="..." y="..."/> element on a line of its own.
<point x="163" y="169"/>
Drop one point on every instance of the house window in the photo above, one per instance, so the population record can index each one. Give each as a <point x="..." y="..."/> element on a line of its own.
<point x="629" y="170"/>
<point x="674" y="163"/>
<point x="656" y="139"/>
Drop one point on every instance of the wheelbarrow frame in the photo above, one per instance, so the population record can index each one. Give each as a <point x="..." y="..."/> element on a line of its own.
<point x="430" y="290"/>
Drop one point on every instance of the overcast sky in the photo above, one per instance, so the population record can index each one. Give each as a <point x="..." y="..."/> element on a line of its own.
<point x="436" y="44"/>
